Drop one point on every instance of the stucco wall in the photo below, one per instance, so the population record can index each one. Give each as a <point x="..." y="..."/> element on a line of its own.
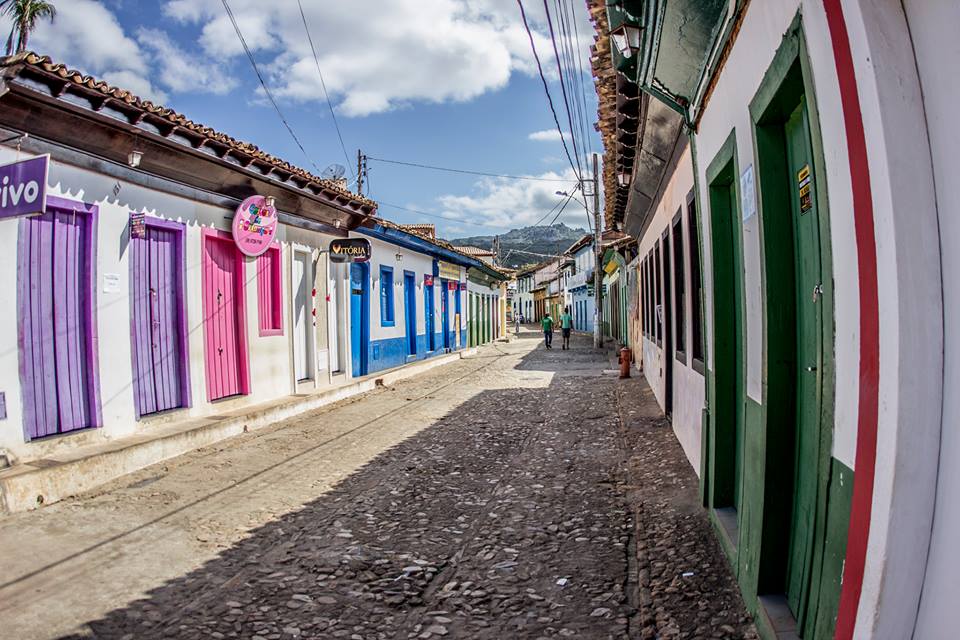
<point x="907" y="260"/>
<point x="688" y="384"/>
<point x="271" y="377"/>
<point x="933" y="26"/>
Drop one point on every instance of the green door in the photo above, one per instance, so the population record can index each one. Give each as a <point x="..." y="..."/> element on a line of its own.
<point x="809" y="346"/>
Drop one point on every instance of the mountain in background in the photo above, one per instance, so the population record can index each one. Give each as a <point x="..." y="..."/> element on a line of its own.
<point x="519" y="247"/>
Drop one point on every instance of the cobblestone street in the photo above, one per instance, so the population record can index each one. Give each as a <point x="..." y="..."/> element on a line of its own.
<point x="519" y="493"/>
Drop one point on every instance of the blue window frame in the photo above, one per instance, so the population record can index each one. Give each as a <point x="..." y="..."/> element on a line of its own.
<point x="387" y="315"/>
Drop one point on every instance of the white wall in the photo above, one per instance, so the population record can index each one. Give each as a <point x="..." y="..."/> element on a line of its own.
<point x="906" y="242"/>
<point x="934" y="25"/>
<point x="270" y="357"/>
<point x="688" y="384"/>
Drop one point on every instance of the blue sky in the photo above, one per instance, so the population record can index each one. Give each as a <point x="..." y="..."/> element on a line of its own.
<point x="441" y="82"/>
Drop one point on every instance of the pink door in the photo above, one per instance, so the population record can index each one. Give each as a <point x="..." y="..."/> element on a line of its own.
<point x="224" y="327"/>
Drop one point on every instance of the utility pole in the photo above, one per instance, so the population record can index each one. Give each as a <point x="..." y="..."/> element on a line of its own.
<point x="361" y="169"/>
<point x="598" y="253"/>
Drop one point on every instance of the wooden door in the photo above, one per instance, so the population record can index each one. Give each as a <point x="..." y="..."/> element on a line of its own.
<point x="224" y="326"/>
<point x="56" y="307"/>
<point x="428" y="316"/>
<point x="359" y="318"/>
<point x="302" y="315"/>
<point x="410" y="311"/>
<point x="807" y="273"/>
<point x="157" y="315"/>
<point x="445" y="313"/>
<point x="334" y="317"/>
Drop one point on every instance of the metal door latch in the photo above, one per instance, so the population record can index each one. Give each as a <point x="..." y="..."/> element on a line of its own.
<point x="817" y="292"/>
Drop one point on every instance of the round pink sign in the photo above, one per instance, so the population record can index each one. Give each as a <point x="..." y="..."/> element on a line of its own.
<point x="254" y="225"/>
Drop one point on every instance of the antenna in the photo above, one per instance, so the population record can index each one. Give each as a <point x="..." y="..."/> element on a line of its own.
<point x="334" y="172"/>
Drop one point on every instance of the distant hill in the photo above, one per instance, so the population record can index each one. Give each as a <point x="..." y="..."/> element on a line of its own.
<point x="519" y="246"/>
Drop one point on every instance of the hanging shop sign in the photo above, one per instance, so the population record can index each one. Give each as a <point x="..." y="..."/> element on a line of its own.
<point x="449" y="271"/>
<point x="255" y="225"/>
<point x="451" y="285"/>
<point x="350" y="250"/>
<point x="23" y="187"/>
<point x="463" y="286"/>
<point x="138" y="225"/>
<point x="427" y="281"/>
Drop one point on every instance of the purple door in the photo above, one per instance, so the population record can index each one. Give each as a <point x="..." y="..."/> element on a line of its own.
<point x="156" y="282"/>
<point x="57" y="341"/>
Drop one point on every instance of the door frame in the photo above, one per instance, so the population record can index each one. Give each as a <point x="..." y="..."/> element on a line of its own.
<point x="669" y="356"/>
<point x="789" y="76"/>
<point x="208" y="234"/>
<point x="445" y="312"/>
<point x="410" y="312"/>
<point x="722" y="478"/>
<point x="180" y="230"/>
<point x="311" y="346"/>
<point x="335" y="316"/>
<point x="364" y="317"/>
<point x="90" y="322"/>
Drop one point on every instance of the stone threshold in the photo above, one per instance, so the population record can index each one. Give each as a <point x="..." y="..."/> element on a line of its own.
<point x="36" y="483"/>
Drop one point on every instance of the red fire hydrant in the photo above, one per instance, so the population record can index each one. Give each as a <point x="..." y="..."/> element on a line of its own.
<point x="625" y="356"/>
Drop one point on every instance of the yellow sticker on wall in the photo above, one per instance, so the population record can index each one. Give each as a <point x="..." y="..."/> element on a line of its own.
<point x="803" y="183"/>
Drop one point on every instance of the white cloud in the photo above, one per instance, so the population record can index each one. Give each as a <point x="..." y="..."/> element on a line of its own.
<point x="376" y="56"/>
<point x="178" y="70"/>
<point x="547" y="135"/>
<point x="506" y="204"/>
<point x="86" y="35"/>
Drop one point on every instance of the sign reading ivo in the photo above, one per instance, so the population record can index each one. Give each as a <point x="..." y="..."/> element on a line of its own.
<point x="23" y="187"/>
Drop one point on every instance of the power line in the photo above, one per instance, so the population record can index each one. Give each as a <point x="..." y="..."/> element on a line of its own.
<point x="563" y="89"/>
<point x="323" y="84"/>
<point x="546" y="89"/>
<point x="469" y="172"/>
<point x="433" y="215"/>
<point x="263" y="84"/>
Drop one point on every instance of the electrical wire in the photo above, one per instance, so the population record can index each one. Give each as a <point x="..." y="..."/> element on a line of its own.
<point x="323" y="84"/>
<point x="563" y="90"/>
<point x="469" y="172"/>
<point x="266" y="89"/>
<point x="432" y="215"/>
<point x="546" y="89"/>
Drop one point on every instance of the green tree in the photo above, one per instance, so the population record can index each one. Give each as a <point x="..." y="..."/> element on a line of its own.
<point x="24" y="15"/>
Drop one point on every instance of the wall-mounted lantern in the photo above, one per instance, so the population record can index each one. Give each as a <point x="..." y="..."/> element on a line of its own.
<point x="626" y="38"/>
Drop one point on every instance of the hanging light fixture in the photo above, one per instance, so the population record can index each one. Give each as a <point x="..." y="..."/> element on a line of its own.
<point x="626" y="37"/>
<point x="624" y="176"/>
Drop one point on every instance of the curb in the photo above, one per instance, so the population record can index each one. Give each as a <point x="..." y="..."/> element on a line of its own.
<point x="33" y="484"/>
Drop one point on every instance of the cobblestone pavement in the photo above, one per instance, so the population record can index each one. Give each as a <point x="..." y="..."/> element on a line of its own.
<point x="547" y="501"/>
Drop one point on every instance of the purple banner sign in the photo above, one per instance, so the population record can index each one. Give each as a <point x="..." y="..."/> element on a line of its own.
<point x="23" y="187"/>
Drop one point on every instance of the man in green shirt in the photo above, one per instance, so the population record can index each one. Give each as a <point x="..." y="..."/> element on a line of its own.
<point x="566" y="324"/>
<point x="547" y="324"/>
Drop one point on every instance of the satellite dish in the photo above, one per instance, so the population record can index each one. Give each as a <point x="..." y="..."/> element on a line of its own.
<point x="334" y="172"/>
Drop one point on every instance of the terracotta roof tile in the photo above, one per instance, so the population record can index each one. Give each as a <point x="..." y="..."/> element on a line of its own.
<point x="71" y="76"/>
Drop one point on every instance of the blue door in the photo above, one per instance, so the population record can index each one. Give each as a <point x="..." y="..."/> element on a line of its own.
<point x="410" y="310"/>
<point x="445" y="313"/>
<point x="359" y="318"/>
<point x="458" y="314"/>
<point x="428" y="316"/>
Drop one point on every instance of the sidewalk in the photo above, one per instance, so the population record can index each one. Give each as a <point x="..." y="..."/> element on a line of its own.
<point x="36" y="483"/>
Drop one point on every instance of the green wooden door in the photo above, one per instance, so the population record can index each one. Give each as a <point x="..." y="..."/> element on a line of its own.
<point x="809" y="346"/>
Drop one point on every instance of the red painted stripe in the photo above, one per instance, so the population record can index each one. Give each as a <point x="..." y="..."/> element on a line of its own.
<point x="859" y="529"/>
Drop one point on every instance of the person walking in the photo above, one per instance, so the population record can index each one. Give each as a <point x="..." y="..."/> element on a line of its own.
<point x="517" y="319"/>
<point x="566" y="324"/>
<point x="547" y="324"/>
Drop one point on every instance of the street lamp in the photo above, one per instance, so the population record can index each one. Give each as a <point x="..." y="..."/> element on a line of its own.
<point x="627" y="39"/>
<point x="624" y="177"/>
